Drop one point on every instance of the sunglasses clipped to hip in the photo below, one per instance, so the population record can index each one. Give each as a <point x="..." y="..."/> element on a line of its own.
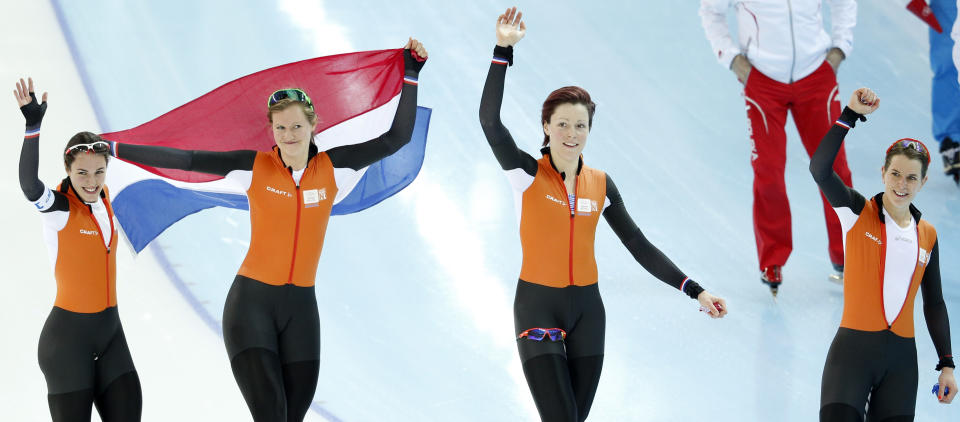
<point x="538" y="334"/>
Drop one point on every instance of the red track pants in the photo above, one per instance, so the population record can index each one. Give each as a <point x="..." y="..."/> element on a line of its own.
<point x="815" y="105"/>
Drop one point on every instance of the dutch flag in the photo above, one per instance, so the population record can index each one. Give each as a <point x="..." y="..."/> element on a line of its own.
<point x="355" y="96"/>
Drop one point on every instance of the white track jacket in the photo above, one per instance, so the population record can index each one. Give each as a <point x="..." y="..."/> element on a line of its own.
<point x="783" y="39"/>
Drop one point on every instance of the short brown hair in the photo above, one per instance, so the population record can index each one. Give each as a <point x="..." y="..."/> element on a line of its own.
<point x="911" y="152"/>
<point x="566" y="95"/>
<point x="82" y="138"/>
<point x="287" y="102"/>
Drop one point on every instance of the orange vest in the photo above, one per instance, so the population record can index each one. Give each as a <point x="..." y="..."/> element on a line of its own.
<point x="865" y="255"/>
<point x="287" y="222"/>
<point x="557" y="245"/>
<point x="85" y="269"/>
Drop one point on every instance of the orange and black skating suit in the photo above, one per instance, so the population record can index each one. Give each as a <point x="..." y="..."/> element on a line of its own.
<point x="558" y="278"/>
<point x="82" y="351"/>
<point x="874" y="354"/>
<point x="270" y="319"/>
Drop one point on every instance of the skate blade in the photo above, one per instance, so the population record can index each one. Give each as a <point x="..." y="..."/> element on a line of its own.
<point x="836" y="278"/>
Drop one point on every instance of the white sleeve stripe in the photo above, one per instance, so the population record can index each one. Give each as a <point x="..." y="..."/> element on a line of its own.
<point x="346" y="180"/>
<point x="519" y="179"/>
<point x="46" y="200"/>
<point x="847" y="219"/>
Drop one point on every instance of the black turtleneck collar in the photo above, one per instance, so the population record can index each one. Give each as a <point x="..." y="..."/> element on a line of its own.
<point x="879" y="200"/>
<point x="546" y="151"/>
<point x="312" y="151"/>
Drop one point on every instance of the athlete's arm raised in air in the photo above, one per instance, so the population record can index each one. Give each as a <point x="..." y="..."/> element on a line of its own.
<point x="364" y="154"/>
<point x="862" y="102"/>
<point x="510" y="29"/>
<point x="43" y="198"/>
<point x="30" y="152"/>
<point x="652" y="260"/>
<point x="935" y="313"/>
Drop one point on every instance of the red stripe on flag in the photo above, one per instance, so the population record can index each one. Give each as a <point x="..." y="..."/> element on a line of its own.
<point x="233" y="116"/>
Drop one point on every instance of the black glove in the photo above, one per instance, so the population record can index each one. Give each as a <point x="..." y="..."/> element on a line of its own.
<point x="411" y="64"/>
<point x="850" y="117"/>
<point x="33" y="112"/>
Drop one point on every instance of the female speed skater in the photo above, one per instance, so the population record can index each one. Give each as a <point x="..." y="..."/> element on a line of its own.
<point x="558" y="314"/>
<point x="270" y="320"/>
<point x="82" y="352"/>
<point x="890" y="254"/>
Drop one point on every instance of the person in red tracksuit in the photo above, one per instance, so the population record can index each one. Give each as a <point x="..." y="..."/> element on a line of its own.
<point x="787" y="63"/>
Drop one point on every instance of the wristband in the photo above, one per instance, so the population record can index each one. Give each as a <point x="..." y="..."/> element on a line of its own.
<point x="946" y="362"/>
<point x="503" y="55"/>
<point x="848" y="118"/>
<point x="691" y="288"/>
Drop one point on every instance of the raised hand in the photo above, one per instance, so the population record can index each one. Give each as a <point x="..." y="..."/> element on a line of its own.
<point x="510" y="27"/>
<point x="27" y="100"/>
<point x="864" y="101"/>
<point x="415" y="55"/>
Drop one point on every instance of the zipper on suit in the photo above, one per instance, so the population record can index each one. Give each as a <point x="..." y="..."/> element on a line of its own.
<point x="793" y="40"/>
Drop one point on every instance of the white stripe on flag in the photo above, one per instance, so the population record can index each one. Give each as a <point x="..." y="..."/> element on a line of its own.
<point x="359" y="129"/>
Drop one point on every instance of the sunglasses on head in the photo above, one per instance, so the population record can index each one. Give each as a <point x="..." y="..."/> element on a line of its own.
<point x="98" y="147"/>
<point x="290" y="93"/>
<point x="912" y="143"/>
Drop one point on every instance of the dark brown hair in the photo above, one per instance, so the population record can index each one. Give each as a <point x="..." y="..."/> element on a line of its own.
<point x="566" y="95"/>
<point x="82" y="138"/>
<point x="909" y="151"/>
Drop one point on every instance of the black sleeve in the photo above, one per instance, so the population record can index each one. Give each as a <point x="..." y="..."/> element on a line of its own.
<point x="212" y="162"/>
<point x="821" y="165"/>
<point x="504" y="148"/>
<point x="652" y="260"/>
<point x="361" y="155"/>
<point x="30" y="183"/>
<point x="935" y="310"/>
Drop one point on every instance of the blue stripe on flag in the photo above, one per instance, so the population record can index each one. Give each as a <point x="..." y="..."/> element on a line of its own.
<point x="146" y="208"/>
<point x="388" y="176"/>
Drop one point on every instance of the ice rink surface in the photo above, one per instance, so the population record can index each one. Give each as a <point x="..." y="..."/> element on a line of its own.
<point x="416" y="293"/>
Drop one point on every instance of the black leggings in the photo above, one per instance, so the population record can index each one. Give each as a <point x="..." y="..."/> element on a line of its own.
<point x="119" y="402"/>
<point x="272" y="335"/>
<point x="85" y="361"/>
<point x="562" y="375"/>
<point x="876" y="364"/>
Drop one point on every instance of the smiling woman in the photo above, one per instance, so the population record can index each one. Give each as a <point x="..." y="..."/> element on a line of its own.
<point x="85" y="159"/>
<point x="559" y="318"/>
<point x="83" y="352"/>
<point x="886" y="264"/>
<point x="291" y="190"/>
